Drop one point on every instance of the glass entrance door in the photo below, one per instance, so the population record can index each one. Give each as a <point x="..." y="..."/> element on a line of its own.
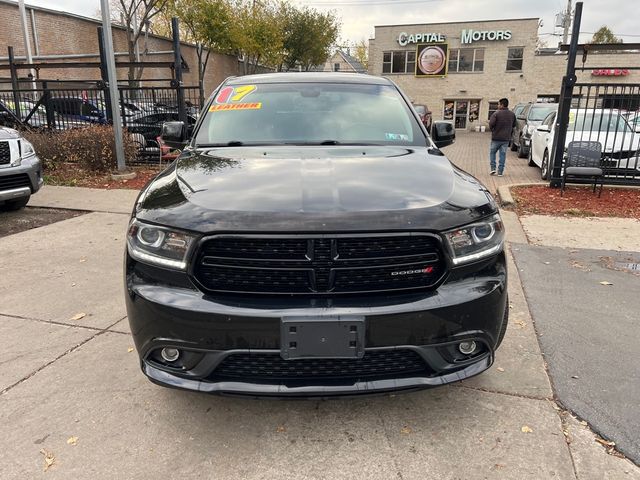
<point x="461" y="111"/>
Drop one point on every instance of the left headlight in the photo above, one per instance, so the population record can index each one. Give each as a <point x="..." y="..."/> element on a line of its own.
<point x="160" y="246"/>
<point x="27" y="149"/>
<point x="476" y="241"/>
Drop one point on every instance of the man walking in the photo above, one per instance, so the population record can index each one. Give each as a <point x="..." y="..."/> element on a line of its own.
<point x="501" y="125"/>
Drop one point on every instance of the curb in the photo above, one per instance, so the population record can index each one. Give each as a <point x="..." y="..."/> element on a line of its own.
<point x="504" y="193"/>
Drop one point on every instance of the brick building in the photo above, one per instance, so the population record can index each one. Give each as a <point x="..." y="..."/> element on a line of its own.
<point x="460" y="70"/>
<point x="59" y="36"/>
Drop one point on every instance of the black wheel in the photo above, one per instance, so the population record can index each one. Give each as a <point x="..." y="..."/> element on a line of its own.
<point x="521" y="152"/>
<point x="514" y="147"/>
<point x="544" y="168"/>
<point x="531" y="162"/>
<point x="503" y="328"/>
<point x="17" y="204"/>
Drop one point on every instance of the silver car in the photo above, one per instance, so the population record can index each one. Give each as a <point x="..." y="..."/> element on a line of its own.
<point x="20" y="170"/>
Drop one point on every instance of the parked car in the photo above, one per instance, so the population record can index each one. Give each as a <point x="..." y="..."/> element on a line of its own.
<point x="634" y="121"/>
<point x="425" y="116"/>
<point x="620" y="143"/>
<point x="313" y="240"/>
<point x="78" y="108"/>
<point x="529" y="118"/>
<point x="518" y="108"/>
<point x="20" y="170"/>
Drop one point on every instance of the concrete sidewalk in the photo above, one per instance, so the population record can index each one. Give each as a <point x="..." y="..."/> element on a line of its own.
<point x="89" y="199"/>
<point x="71" y="388"/>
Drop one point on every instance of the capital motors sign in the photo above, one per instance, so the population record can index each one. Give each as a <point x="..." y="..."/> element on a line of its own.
<point x="610" y="72"/>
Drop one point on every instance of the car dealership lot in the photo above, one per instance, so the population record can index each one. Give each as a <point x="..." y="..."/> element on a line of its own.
<point x="67" y="371"/>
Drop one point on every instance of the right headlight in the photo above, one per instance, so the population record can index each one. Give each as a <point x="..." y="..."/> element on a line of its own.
<point x="476" y="241"/>
<point x="160" y="246"/>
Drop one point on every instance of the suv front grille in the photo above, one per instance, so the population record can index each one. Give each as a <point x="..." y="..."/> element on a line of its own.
<point x="8" y="182"/>
<point x="377" y="364"/>
<point x="334" y="264"/>
<point x="5" y="153"/>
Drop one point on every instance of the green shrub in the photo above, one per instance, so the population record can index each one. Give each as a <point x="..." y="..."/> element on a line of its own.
<point x="92" y="147"/>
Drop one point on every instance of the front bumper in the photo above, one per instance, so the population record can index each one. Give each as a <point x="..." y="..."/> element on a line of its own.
<point x="470" y="305"/>
<point x="32" y="167"/>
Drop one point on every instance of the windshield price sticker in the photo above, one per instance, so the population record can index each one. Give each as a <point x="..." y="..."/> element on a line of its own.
<point x="235" y="106"/>
<point x="234" y="94"/>
<point x="572" y="117"/>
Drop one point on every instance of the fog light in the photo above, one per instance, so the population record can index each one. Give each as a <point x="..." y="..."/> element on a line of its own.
<point x="467" y="348"/>
<point x="170" y="354"/>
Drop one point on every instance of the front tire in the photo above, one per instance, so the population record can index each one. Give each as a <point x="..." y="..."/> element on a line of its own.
<point x="503" y="328"/>
<point x="17" y="204"/>
<point x="531" y="162"/>
<point x="521" y="152"/>
<point x="544" y="168"/>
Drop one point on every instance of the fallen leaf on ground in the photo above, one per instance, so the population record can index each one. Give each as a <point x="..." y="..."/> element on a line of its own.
<point x="521" y="323"/>
<point x="82" y="260"/>
<point x="406" y="430"/>
<point x="605" y="443"/>
<point x="281" y="429"/>
<point x="575" y="376"/>
<point x="500" y="369"/>
<point x="130" y="349"/>
<point x="49" y="459"/>
<point x="78" y="316"/>
<point x="499" y="466"/>
<point x="606" y="283"/>
<point x="72" y="441"/>
<point x="526" y="429"/>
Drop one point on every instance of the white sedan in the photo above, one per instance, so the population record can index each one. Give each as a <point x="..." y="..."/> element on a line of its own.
<point x="620" y="142"/>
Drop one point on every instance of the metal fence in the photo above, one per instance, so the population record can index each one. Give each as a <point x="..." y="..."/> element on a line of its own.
<point x="608" y="114"/>
<point x="601" y="112"/>
<point x="143" y="111"/>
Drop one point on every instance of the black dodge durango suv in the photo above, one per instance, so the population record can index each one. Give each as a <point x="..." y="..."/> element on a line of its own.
<point x="313" y="240"/>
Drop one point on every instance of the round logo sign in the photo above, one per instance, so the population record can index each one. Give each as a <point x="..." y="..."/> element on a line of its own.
<point x="432" y="60"/>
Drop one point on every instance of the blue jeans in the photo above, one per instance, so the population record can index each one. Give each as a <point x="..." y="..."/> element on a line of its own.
<point x="501" y="146"/>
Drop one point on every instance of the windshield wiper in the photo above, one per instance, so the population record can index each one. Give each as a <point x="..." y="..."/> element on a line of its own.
<point x="334" y="142"/>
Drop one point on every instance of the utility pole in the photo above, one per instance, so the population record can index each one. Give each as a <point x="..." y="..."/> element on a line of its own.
<point x="566" y="23"/>
<point x="113" y="82"/>
<point x="27" y="41"/>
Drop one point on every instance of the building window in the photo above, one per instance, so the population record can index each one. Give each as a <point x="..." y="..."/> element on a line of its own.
<point x="466" y="60"/>
<point x="493" y="106"/>
<point x="336" y="67"/>
<point x="514" y="59"/>
<point x="400" y="61"/>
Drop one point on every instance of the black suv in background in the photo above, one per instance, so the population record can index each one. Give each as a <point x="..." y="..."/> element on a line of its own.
<point x="527" y="120"/>
<point x="289" y="254"/>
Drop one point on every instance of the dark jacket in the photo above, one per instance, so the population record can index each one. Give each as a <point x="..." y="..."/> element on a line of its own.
<point x="501" y="125"/>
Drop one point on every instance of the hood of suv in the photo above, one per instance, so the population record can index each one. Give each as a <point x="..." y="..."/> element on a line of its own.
<point x="8" y="134"/>
<point x="330" y="188"/>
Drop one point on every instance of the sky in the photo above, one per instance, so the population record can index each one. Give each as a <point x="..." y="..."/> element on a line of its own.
<point x="360" y="16"/>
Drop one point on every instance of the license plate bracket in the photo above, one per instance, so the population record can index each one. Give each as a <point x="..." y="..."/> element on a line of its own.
<point x="322" y="337"/>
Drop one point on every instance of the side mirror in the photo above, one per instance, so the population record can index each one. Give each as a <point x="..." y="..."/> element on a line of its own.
<point x="174" y="134"/>
<point x="543" y="128"/>
<point x="443" y="134"/>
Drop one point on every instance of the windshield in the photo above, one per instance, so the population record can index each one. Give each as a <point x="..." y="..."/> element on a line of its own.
<point x="309" y="113"/>
<point x="598" y="121"/>
<point x="537" y="114"/>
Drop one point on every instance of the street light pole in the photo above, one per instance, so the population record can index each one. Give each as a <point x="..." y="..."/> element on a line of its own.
<point x="113" y="82"/>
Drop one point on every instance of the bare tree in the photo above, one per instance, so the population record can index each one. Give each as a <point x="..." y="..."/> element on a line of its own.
<point x="136" y="15"/>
